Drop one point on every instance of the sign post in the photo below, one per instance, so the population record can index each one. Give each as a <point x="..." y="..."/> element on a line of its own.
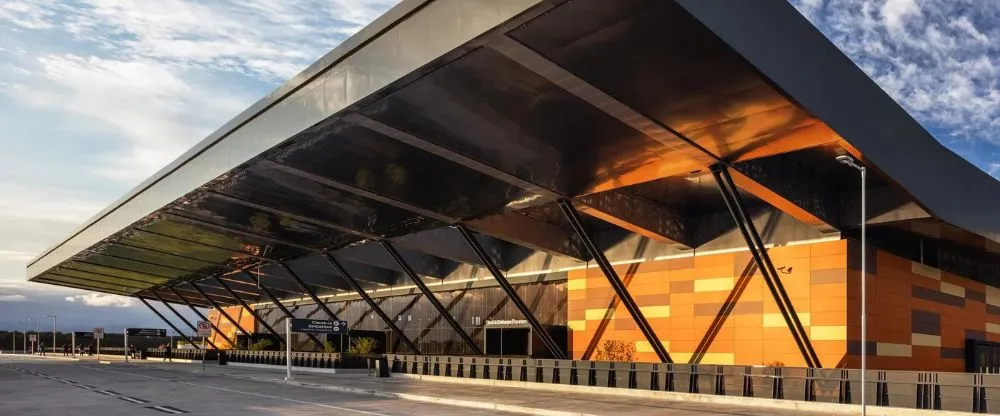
<point x="309" y="326"/>
<point x="204" y="330"/>
<point x="72" y="343"/>
<point x="288" y="349"/>
<point x="98" y="335"/>
<point x="33" y="338"/>
<point x="125" y="344"/>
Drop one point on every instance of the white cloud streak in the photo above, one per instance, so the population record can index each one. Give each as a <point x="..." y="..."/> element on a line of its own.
<point x="101" y="300"/>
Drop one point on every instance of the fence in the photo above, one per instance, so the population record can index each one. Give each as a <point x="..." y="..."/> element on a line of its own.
<point x="182" y="353"/>
<point x="965" y="392"/>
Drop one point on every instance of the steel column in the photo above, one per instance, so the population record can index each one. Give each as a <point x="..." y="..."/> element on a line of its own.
<point x="288" y="315"/>
<point x="231" y="342"/>
<point x="734" y="202"/>
<point x="165" y="320"/>
<point x="221" y="310"/>
<point x="342" y="271"/>
<point x="536" y="326"/>
<point x="288" y="270"/>
<point x="182" y="318"/>
<point x="247" y="307"/>
<point x="430" y="296"/>
<point x="616" y="282"/>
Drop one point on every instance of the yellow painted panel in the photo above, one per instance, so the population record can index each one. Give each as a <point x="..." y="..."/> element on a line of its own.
<point x="645" y="346"/>
<point x="993" y="328"/>
<point x="681" y="357"/>
<point x="828" y="333"/>
<point x="925" y="340"/>
<point x="655" y="311"/>
<point x="723" y="358"/>
<point x="710" y="285"/>
<point x="886" y="349"/>
<point x="926" y="271"/>
<point x="576" y="284"/>
<point x="580" y="325"/>
<point x="951" y="289"/>
<point x="594" y="314"/>
<point x="775" y="320"/>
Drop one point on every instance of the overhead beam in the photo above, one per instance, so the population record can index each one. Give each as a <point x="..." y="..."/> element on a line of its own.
<point x="194" y="329"/>
<point x="540" y="331"/>
<point x="232" y="342"/>
<point x="531" y="233"/>
<point x="445" y="314"/>
<point x="791" y="187"/>
<point x="443" y="242"/>
<point x="165" y="320"/>
<point x="226" y="229"/>
<point x="319" y="303"/>
<point x="248" y="308"/>
<point x="288" y="315"/>
<point x="349" y="278"/>
<point x="616" y="282"/>
<point x="222" y="311"/>
<point x="169" y="297"/>
<point x="638" y="215"/>
<point x="372" y="255"/>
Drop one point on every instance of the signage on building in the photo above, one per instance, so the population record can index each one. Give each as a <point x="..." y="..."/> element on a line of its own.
<point x="98" y="333"/>
<point x="506" y="322"/>
<point x="145" y="332"/>
<point x="316" y="326"/>
<point x="204" y="329"/>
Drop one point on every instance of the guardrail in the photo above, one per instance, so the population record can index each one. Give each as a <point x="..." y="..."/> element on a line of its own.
<point x="182" y="353"/>
<point x="964" y="392"/>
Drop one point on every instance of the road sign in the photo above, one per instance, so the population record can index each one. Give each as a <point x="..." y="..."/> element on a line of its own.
<point x="204" y="329"/>
<point x="83" y="335"/>
<point x="32" y="337"/>
<point x="98" y="333"/>
<point x="145" y="332"/>
<point x="316" y="326"/>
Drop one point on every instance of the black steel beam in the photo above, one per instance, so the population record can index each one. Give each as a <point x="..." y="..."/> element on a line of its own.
<point x="247" y="307"/>
<point x="639" y="215"/>
<point x="181" y="317"/>
<point x="191" y="293"/>
<point x="342" y="271"/>
<point x="288" y="315"/>
<point x="211" y="246"/>
<point x="169" y="297"/>
<point x="536" y="326"/>
<point x="759" y="252"/>
<point x="221" y="310"/>
<point x="616" y="282"/>
<point x="181" y="334"/>
<point x="226" y="229"/>
<point x="286" y="214"/>
<point x="231" y="342"/>
<point x="430" y="296"/>
<point x="288" y="270"/>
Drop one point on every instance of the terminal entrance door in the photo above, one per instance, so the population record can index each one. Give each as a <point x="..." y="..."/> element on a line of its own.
<point x="508" y="342"/>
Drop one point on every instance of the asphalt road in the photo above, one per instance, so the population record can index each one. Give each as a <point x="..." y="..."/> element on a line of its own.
<point x="47" y="387"/>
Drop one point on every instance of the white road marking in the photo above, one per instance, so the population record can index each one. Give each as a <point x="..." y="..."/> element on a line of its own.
<point x="365" y="412"/>
<point x="165" y="409"/>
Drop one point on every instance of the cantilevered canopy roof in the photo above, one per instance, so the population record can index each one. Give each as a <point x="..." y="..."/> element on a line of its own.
<point x="485" y="113"/>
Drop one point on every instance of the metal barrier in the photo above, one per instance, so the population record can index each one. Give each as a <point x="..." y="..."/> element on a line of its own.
<point x="277" y="358"/>
<point x="963" y="392"/>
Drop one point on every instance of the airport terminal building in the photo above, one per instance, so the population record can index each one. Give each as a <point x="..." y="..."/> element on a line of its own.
<point x="537" y="177"/>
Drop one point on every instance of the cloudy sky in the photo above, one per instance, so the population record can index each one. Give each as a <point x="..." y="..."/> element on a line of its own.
<point x="96" y="95"/>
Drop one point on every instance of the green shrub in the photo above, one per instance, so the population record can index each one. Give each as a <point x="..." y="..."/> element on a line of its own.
<point x="362" y="345"/>
<point x="616" y="350"/>
<point x="261" y="345"/>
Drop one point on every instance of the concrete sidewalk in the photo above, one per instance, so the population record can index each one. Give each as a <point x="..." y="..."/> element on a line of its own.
<point x="480" y="396"/>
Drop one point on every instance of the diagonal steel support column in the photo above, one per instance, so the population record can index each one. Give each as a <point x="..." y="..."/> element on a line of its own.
<point x="231" y="342"/>
<point x="342" y="271"/>
<point x="288" y="270"/>
<point x="221" y="311"/>
<point x="165" y="320"/>
<point x="759" y="252"/>
<point x="288" y="315"/>
<point x="248" y="308"/>
<point x="194" y="329"/>
<point x="430" y="296"/>
<point x="536" y="326"/>
<point x="616" y="282"/>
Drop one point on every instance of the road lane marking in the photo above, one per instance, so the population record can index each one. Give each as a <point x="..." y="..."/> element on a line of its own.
<point x="266" y="396"/>
<point x="133" y="399"/>
<point x="167" y="409"/>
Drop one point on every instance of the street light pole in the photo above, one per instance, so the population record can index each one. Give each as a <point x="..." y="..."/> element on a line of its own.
<point x="24" y="348"/>
<point x="53" y="332"/>
<point x="849" y="161"/>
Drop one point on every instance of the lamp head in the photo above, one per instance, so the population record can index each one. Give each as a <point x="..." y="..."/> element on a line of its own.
<point x="849" y="161"/>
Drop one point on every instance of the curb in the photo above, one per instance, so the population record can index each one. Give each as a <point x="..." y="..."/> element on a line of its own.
<point x="755" y="402"/>
<point x="500" y="407"/>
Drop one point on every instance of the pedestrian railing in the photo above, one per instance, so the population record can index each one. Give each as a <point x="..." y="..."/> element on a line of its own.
<point x="299" y="359"/>
<point x="965" y="392"/>
<point x="183" y="353"/>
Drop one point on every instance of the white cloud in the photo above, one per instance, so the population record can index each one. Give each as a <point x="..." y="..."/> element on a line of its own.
<point x="939" y="59"/>
<point x="101" y="300"/>
<point x="12" y="298"/>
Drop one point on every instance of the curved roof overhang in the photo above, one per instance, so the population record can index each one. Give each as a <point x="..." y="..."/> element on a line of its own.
<point x="485" y="113"/>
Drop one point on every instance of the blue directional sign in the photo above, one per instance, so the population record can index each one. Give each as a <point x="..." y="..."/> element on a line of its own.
<point x="146" y="332"/>
<point x="317" y="326"/>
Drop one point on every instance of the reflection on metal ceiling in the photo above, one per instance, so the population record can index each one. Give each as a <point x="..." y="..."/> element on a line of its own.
<point x="486" y="113"/>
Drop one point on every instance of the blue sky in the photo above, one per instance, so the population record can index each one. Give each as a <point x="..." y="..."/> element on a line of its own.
<point x="96" y="95"/>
